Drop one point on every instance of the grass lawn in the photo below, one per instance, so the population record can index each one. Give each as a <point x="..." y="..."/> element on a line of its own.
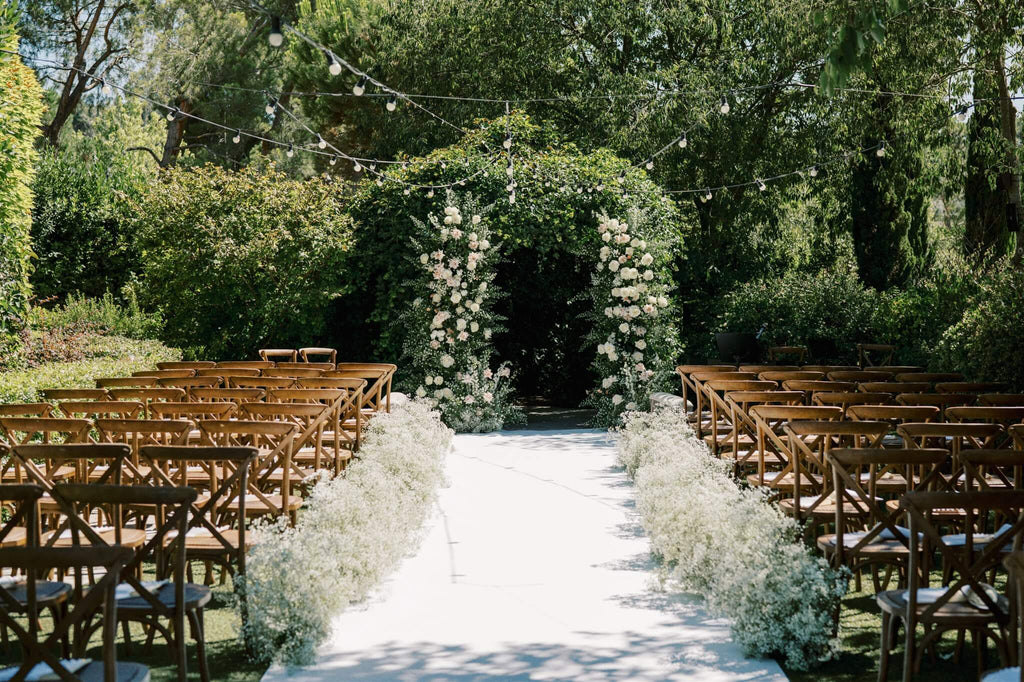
<point x="861" y="627"/>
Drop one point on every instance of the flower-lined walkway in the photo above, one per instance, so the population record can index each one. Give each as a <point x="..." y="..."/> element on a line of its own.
<point x="533" y="567"/>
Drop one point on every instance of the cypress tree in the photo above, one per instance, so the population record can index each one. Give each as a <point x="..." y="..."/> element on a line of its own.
<point x="985" y="198"/>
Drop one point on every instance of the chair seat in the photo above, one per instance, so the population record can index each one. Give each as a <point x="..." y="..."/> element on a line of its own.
<point x="1004" y="675"/>
<point x="15" y="538"/>
<point x="825" y="510"/>
<point x="61" y="473"/>
<point x="953" y="613"/>
<point x="196" y="597"/>
<point x="201" y="544"/>
<point x="787" y="482"/>
<point x="254" y="506"/>
<point x="876" y="549"/>
<point x="130" y="537"/>
<point x="126" y="672"/>
<point x="48" y="592"/>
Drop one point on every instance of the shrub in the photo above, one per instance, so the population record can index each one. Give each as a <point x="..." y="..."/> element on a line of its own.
<point x="102" y="356"/>
<point x="352" y="532"/>
<point x="238" y="260"/>
<point x="986" y="342"/>
<point x="21" y="107"/>
<point x="103" y="314"/>
<point x="80" y="228"/>
<point x="729" y="544"/>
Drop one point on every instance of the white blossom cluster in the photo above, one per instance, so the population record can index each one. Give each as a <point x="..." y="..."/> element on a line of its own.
<point x="452" y="362"/>
<point x="353" y="531"/>
<point x="729" y="544"/>
<point x="635" y="298"/>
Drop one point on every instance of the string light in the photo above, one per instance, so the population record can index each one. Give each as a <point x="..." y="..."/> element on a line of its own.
<point x="105" y="88"/>
<point x="276" y="37"/>
<point x="507" y="144"/>
<point x="813" y="172"/>
<point x="357" y="167"/>
<point x="760" y="185"/>
<point x="649" y="165"/>
<point x="682" y="141"/>
<point x="238" y="137"/>
<point x="430" y="194"/>
<point x="271" y="107"/>
<point x="880" y="152"/>
<point x="332" y="64"/>
<point x="172" y="114"/>
<point x="707" y="196"/>
<point x="360" y="87"/>
<point x="724" y="106"/>
<point x="291" y="151"/>
<point x="392" y="103"/>
<point x="321" y="142"/>
<point x="334" y="160"/>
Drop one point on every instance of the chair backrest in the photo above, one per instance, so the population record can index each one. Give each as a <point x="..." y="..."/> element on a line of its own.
<point x="757" y="369"/>
<point x="22" y="525"/>
<point x="305" y="365"/>
<point x="798" y="375"/>
<point x="225" y="372"/>
<point x="1017" y="433"/>
<point x="125" y="382"/>
<point x="293" y="372"/>
<point x="993" y="469"/>
<point x="22" y="430"/>
<point x="26" y="410"/>
<point x="261" y="382"/>
<point x="930" y="377"/>
<point x="798" y="353"/>
<point x="894" y="387"/>
<point x="58" y="394"/>
<point x="288" y="354"/>
<point x="148" y="396"/>
<point x="894" y="414"/>
<point x="37" y="562"/>
<point x="245" y="364"/>
<point x="825" y="369"/>
<point x="82" y="457"/>
<point x="194" y="411"/>
<point x="138" y="432"/>
<point x="379" y="376"/>
<point x="940" y="400"/>
<point x="329" y="354"/>
<point x="860" y="375"/>
<point x="848" y="399"/>
<point x="1001" y="414"/>
<point x="188" y="383"/>
<point x="690" y="369"/>
<point x="186" y="364"/>
<point x="955" y="436"/>
<point x="234" y="395"/>
<point x="970" y="387"/>
<point x="165" y="373"/>
<point x="856" y="474"/>
<point x="96" y="409"/>
<point x="875" y="354"/>
<point x="812" y="387"/>
<point x="1007" y="399"/>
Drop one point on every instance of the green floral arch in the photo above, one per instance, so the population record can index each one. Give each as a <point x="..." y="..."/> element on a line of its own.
<point x="566" y="201"/>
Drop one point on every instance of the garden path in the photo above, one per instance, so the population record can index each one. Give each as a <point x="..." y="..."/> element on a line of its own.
<point x="533" y="566"/>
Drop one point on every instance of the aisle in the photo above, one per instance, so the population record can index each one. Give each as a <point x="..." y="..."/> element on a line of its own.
<point x="533" y="567"/>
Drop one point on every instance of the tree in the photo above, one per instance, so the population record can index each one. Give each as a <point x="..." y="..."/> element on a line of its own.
<point x="985" y="196"/>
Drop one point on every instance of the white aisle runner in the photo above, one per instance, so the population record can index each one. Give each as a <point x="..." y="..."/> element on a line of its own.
<point x="532" y="567"/>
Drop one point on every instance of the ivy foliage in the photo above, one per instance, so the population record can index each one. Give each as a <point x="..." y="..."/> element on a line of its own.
<point x="236" y="261"/>
<point x="20" y="111"/>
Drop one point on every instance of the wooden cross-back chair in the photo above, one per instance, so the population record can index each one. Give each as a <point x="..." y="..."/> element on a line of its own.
<point x="809" y="443"/>
<point x="138" y="432"/>
<point x="978" y="387"/>
<point x="307" y="354"/>
<point x="261" y="382"/>
<point x="744" y="447"/>
<point x="379" y="375"/>
<point x="336" y="434"/>
<point x="773" y="452"/>
<point x="273" y="441"/>
<point x="860" y="375"/>
<point x="997" y="399"/>
<point x="956" y="437"/>
<point x="194" y="411"/>
<point x="880" y="538"/>
<point x="310" y="420"/>
<point x="26" y="410"/>
<point x="103" y="409"/>
<point x="993" y="469"/>
<point x="797" y="353"/>
<point x="215" y="534"/>
<point x="701" y="400"/>
<point x="875" y="354"/>
<point x="245" y="364"/>
<point x="811" y="387"/>
<point x="125" y="382"/>
<point x="99" y="600"/>
<point x="147" y="603"/>
<point x="186" y="364"/>
<point x="894" y="414"/>
<point x="56" y="395"/>
<point x="148" y="396"/>
<point x="800" y="375"/>
<point x="231" y="395"/>
<point x="187" y="384"/>
<point x="723" y="423"/>
<point x="17" y="431"/>
<point x="1005" y="416"/>
<point x="940" y="400"/>
<point x="278" y="354"/>
<point x="688" y="385"/>
<point x="846" y="400"/>
<point x="894" y="388"/>
<point x="982" y="611"/>
<point x="165" y="373"/>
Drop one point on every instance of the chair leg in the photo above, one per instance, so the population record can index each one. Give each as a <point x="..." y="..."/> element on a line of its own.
<point x="883" y="649"/>
<point x="195" y="619"/>
<point x="127" y="638"/>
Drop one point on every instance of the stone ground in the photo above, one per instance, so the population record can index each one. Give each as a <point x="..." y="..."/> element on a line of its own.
<point x="534" y="566"/>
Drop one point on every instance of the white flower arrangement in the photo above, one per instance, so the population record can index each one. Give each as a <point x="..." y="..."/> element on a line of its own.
<point x="633" y="327"/>
<point x="729" y="544"/>
<point x="448" y="339"/>
<point x="352" y="532"/>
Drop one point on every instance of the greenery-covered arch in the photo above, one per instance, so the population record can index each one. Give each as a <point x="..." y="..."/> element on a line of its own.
<point x="563" y="197"/>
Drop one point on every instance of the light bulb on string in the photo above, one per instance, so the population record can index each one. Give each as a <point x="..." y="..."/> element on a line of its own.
<point x="707" y="196"/>
<point x="760" y="185"/>
<point x="880" y="152"/>
<point x="682" y="142"/>
<point x="271" y="107"/>
<point x="509" y="171"/>
<point x="507" y="144"/>
<point x="276" y="37"/>
<point x="380" y="183"/>
<point x="600" y="188"/>
<point x="333" y="67"/>
<point x="622" y="177"/>
<point x="357" y="167"/>
<point x="238" y="137"/>
<point x="649" y="165"/>
<point x="373" y="166"/>
<point x="724" y="105"/>
<point x="105" y="88"/>
<point x="430" y="194"/>
<point x="392" y="103"/>
<point x="172" y="114"/>
<point x="512" y="198"/>
<point x="360" y="87"/>
<point x="334" y="160"/>
<point x="321" y="142"/>
<point x="291" y="151"/>
<point x="813" y="172"/>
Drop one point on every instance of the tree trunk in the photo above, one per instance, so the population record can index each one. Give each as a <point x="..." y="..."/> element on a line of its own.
<point x="1011" y="177"/>
<point x="175" y="134"/>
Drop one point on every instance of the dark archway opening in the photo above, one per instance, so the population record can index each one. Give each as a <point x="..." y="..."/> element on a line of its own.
<point x="545" y="306"/>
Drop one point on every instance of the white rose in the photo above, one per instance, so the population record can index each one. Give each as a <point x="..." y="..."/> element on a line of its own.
<point x="476" y="220"/>
<point x="605" y="252"/>
<point x="439" y="380"/>
<point x="471" y="265"/>
<point x="449" y="210"/>
<point x="487" y="334"/>
<point x="616" y="399"/>
<point x="424" y="258"/>
<point x="439" y="394"/>
<point x="447" y="361"/>
<point x="648" y="275"/>
<point x="649" y="309"/>
<point x="608" y="312"/>
<point x="613" y="356"/>
<point x="641" y="344"/>
<point x="630" y="406"/>
<point x="624" y="328"/>
<point x="607" y="236"/>
<point x="448" y="393"/>
<point x="638" y="356"/>
<point x="662" y="301"/>
<point x="646" y="259"/>
<point x="484" y="245"/>
<point x="429" y="381"/>
<point x="456" y="297"/>
<point x="483" y="286"/>
<point x="613" y="266"/>
<point x="474" y="327"/>
<point x="421" y="392"/>
<point x="460" y="324"/>
<point x="436" y="298"/>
